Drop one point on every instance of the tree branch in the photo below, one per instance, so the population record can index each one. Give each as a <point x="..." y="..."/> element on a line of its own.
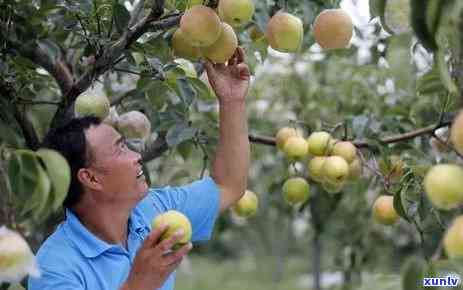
<point x="27" y="128"/>
<point x="4" y="194"/>
<point x="155" y="149"/>
<point x="112" y="53"/>
<point x="29" y="133"/>
<point x="429" y="130"/>
<point x="57" y="68"/>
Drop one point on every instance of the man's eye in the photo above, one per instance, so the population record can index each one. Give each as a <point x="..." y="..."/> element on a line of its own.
<point x="123" y="145"/>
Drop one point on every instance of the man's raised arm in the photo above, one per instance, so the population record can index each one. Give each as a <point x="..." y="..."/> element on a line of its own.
<point x="231" y="163"/>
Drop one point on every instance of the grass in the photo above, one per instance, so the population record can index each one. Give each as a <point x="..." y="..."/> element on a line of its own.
<point x="244" y="274"/>
<point x="247" y="274"/>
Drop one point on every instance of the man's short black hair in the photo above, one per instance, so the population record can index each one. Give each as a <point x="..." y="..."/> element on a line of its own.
<point x="70" y="141"/>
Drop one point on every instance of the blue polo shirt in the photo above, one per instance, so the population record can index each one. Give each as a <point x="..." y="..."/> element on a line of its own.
<point x="72" y="258"/>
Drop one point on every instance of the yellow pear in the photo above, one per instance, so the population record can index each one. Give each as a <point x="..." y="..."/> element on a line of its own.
<point x="296" y="190"/>
<point x="223" y="49"/>
<point x="285" y="32"/>
<point x="456" y="132"/>
<point x="282" y="136"/>
<point x="247" y="205"/>
<point x="295" y="148"/>
<point x="236" y="12"/>
<point x="200" y="25"/>
<point x="319" y="143"/>
<point x="315" y="168"/>
<point x="383" y="210"/>
<point x="346" y="150"/>
<point x="443" y="184"/>
<point x="335" y="169"/>
<point x="176" y="221"/>
<point x="453" y="239"/>
<point x="333" y="29"/>
<point x="182" y="47"/>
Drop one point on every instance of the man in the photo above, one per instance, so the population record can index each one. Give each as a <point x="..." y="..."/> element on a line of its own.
<point x="106" y="242"/>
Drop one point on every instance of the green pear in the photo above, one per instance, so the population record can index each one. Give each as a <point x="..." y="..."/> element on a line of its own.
<point x="92" y="105"/>
<point x="175" y="221"/>
<point x="236" y="12"/>
<point x="453" y="239"/>
<point x="443" y="184"/>
<point x="295" y="148"/>
<point x="285" y="32"/>
<point x="315" y="167"/>
<point x="319" y="143"/>
<point x="346" y="150"/>
<point x="247" y="205"/>
<point x="283" y="135"/>
<point x="201" y="26"/>
<point x="296" y="190"/>
<point x="335" y="169"/>
<point x="224" y="48"/>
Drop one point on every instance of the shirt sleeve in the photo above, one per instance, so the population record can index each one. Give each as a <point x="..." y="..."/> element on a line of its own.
<point x="199" y="201"/>
<point x="54" y="280"/>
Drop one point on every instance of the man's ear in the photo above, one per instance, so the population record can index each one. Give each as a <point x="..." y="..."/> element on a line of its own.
<point x="89" y="179"/>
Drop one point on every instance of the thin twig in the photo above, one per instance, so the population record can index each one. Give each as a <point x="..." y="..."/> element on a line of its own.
<point x="446" y="144"/>
<point x="133" y="72"/>
<point x="84" y="30"/>
<point x="270" y="141"/>
<point x="28" y="102"/>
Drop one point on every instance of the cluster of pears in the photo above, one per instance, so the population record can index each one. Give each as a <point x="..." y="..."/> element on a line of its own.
<point x="205" y="32"/>
<point x="331" y="162"/>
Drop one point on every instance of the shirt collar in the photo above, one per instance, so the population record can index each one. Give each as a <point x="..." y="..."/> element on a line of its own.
<point x="90" y="245"/>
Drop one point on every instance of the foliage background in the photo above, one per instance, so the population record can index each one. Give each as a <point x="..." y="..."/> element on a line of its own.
<point x="384" y="84"/>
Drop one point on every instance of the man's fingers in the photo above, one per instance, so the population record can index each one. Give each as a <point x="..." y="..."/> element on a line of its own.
<point x="243" y="71"/>
<point x="154" y="236"/>
<point x="240" y="54"/>
<point x="167" y="244"/>
<point x="232" y="60"/>
<point x="177" y="256"/>
<point x="209" y="67"/>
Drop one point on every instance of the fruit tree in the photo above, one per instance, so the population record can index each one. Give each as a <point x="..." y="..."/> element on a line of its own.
<point x="355" y="123"/>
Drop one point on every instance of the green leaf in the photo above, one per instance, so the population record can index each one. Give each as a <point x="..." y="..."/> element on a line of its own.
<point x="16" y="286"/>
<point x="430" y="83"/>
<point x="41" y="193"/>
<point x="50" y="48"/>
<point x="399" y="202"/>
<point x="59" y="173"/>
<point x="377" y="8"/>
<point x="419" y="18"/>
<point x="121" y="17"/>
<point x="23" y="169"/>
<point x="187" y="93"/>
<point x="398" y="57"/>
<point x="203" y="91"/>
<point x="444" y="73"/>
<point x="179" y="133"/>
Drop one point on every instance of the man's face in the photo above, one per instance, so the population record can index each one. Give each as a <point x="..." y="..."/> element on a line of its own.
<point x="116" y="167"/>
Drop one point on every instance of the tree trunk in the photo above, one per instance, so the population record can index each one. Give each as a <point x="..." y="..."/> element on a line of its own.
<point x="317" y="254"/>
<point x="4" y="212"/>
